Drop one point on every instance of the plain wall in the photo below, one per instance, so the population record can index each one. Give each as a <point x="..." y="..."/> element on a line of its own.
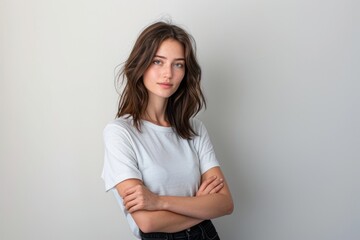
<point x="282" y="83"/>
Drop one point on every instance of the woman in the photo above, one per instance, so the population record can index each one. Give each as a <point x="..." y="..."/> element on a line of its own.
<point x="159" y="160"/>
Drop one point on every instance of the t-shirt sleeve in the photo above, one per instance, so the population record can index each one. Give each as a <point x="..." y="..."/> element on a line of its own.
<point x="119" y="160"/>
<point x="204" y="147"/>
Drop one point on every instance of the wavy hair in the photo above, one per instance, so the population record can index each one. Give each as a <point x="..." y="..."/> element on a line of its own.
<point x="188" y="99"/>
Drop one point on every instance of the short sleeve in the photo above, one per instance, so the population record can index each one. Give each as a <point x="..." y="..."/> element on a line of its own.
<point x="119" y="160"/>
<point x="204" y="147"/>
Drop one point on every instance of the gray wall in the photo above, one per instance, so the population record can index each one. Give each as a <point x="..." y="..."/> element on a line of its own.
<point x="282" y="83"/>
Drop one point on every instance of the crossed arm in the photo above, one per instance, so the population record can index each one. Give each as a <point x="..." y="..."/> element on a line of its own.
<point x="153" y="213"/>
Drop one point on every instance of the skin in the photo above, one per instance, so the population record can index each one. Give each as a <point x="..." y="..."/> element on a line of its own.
<point x="162" y="79"/>
<point x="154" y="213"/>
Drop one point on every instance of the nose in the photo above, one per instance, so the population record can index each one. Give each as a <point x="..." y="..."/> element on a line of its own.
<point x="168" y="72"/>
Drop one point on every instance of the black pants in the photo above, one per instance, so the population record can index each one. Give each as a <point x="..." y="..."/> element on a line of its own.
<point x="202" y="231"/>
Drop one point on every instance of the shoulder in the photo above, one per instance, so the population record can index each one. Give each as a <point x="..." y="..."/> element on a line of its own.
<point x="124" y="121"/>
<point x="196" y="124"/>
<point x="121" y="125"/>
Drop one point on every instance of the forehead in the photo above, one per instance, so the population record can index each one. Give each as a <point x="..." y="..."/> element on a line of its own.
<point x="171" y="47"/>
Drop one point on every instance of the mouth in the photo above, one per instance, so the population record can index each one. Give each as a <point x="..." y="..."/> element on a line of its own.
<point x="165" y="85"/>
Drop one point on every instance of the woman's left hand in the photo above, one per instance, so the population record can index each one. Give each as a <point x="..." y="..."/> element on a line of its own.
<point x="140" y="197"/>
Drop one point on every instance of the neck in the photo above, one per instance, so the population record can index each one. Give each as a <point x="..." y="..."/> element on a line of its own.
<point x="155" y="113"/>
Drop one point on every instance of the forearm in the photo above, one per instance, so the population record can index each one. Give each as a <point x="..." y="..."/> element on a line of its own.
<point x="206" y="206"/>
<point x="203" y="207"/>
<point x="156" y="220"/>
<point x="163" y="221"/>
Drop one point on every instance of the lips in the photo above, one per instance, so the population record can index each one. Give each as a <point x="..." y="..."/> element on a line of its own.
<point x="165" y="85"/>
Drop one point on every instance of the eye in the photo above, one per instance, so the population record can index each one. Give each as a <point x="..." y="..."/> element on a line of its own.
<point x="156" y="62"/>
<point x="179" y="65"/>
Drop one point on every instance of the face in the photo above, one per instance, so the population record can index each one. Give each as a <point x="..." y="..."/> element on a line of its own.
<point x="165" y="73"/>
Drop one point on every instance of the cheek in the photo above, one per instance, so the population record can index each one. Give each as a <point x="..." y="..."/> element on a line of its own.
<point x="179" y="74"/>
<point x="149" y="76"/>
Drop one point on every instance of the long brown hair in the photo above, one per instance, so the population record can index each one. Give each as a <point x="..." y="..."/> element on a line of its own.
<point x="188" y="99"/>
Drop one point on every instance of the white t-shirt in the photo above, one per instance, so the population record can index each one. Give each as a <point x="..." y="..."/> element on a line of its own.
<point x="166" y="163"/>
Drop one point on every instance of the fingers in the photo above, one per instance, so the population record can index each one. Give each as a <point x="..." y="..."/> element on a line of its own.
<point x="129" y="198"/>
<point x="140" y="198"/>
<point x="217" y="188"/>
<point x="133" y="189"/>
<point x="206" y="183"/>
<point x="134" y="205"/>
<point x="132" y="198"/>
<point x="215" y="185"/>
<point x="130" y="204"/>
<point x="211" y="185"/>
<point x="134" y="202"/>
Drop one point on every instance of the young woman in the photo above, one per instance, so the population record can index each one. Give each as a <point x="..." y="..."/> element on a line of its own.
<point x="159" y="160"/>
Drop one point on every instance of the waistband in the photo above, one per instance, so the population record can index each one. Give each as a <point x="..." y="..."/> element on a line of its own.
<point x="200" y="228"/>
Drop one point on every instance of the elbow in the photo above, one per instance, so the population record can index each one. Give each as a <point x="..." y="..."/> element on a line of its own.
<point x="144" y="221"/>
<point x="226" y="207"/>
<point x="145" y="226"/>
<point x="230" y="208"/>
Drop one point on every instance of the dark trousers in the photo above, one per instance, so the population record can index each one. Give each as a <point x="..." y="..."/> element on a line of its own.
<point x="202" y="231"/>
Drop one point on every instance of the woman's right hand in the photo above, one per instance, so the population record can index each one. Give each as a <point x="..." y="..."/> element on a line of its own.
<point x="210" y="185"/>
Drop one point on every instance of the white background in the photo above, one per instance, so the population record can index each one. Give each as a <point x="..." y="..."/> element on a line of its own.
<point x="282" y="83"/>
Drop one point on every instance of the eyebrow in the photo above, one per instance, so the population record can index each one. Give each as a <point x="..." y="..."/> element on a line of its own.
<point x="177" y="59"/>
